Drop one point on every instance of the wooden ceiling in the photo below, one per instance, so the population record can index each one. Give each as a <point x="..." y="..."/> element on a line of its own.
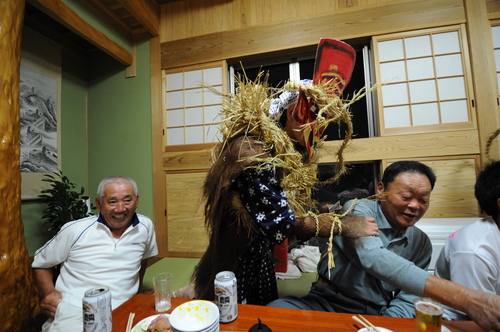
<point x="134" y="19"/>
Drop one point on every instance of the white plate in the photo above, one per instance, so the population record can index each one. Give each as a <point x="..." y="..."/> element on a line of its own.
<point x="142" y="326"/>
<point x="364" y="329"/>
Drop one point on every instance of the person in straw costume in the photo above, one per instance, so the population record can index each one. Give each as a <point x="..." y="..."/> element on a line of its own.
<point x="258" y="190"/>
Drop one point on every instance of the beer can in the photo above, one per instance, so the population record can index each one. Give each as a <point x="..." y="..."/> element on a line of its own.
<point x="226" y="296"/>
<point x="97" y="310"/>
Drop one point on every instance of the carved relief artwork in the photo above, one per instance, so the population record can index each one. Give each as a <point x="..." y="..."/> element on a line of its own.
<point x="38" y="101"/>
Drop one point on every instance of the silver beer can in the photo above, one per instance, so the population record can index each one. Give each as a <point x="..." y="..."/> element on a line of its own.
<point x="97" y="310"/>
<point x="226" y="296"/>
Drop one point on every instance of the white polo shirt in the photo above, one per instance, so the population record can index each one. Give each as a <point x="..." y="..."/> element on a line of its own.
<point x="91" y="257"/>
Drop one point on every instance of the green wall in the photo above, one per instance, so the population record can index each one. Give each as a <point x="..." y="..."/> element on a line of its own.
<point x="119" y="117"/>
<point x="105" y="130"/>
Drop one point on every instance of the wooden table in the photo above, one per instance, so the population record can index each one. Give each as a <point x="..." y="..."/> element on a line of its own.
<point x="278" y="319"/>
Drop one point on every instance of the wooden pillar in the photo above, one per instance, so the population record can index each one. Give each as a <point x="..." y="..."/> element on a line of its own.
<point x="17" y="291"/>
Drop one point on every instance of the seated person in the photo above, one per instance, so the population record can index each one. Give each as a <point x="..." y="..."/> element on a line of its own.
<point x="404" y="194"/>
<point x="471" y="255"/>
<point x="105" y="250"/>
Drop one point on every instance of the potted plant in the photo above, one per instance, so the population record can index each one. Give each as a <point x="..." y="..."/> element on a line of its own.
<point x="64" y="203"/>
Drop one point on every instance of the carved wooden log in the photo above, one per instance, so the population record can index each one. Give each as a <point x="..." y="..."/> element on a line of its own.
<point x="17" y="290"/>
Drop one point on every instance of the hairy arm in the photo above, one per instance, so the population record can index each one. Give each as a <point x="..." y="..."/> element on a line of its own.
<point x="352" y="226"/>
<point x="482" y="307"/>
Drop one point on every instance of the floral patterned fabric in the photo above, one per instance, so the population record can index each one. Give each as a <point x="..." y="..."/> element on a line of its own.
<point x="266" y="202"/>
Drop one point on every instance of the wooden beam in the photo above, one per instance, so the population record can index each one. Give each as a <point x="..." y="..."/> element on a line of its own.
<point x="66" y="16"/>
<point x="424" y="145"/>
<point x="342" y="24"/>
<point x="110" y="17"/>
<point x="148" y="18"/>
<point x="483" y="75"/>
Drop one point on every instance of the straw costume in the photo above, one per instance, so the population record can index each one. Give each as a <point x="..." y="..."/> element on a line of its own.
<point x="258" y="190"/>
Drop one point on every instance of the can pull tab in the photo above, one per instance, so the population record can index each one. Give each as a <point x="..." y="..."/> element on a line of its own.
<point x="259" y="327"/>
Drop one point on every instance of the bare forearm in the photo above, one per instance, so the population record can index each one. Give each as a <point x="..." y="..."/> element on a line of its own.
<point x="324" y="225"/>
<point x="481" y="307"/>
<point x="44" y="281"/>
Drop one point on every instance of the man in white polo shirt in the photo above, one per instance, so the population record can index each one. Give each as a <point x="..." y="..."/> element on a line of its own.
<point x="109" y="249"/>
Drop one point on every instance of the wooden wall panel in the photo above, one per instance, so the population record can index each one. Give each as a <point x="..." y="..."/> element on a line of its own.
<point x="186" y="230"/>
<point x="303" y="31"/>
<point x="453" y="194"/>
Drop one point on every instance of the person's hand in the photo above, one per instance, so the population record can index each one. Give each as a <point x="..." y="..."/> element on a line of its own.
<point x="49" y="303"/>
<point x="357" y="226"/>
<point x="485" y="310"/>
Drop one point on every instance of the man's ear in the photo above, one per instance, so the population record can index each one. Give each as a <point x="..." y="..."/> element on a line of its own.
<point x="98" y="203"/>
<point x="380" y="188"/>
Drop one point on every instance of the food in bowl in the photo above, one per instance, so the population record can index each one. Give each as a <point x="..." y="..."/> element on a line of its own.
<point x="195" y="315"/>
<point x="159" y="324"/>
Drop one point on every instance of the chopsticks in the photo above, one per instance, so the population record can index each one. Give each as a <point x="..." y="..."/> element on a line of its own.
<point x="366" y="323"/>
<point x="130" y="321"/>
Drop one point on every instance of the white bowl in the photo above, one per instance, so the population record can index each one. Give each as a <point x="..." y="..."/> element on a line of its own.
<point x="195" y="316"/>
<point x="381" y="329"/>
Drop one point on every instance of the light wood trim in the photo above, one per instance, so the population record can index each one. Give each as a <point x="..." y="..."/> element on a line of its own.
<point x="484" y="73"/>
<point x="67" y="17"/>
<point x="149" y="19"/>
<point x="157" y="147"/>
<point x="131" y="71"/>
<point x="187" y="160"/>
<point x="448" y="143"/>
<point x="493" y="8"/>
<point x="304" y="32"/>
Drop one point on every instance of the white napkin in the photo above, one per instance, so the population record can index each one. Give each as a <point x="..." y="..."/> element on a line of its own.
<point x="306" y="257"/>
<point x="292" y="272"/>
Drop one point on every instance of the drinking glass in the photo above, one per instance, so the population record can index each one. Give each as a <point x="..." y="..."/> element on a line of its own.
<point x="162" y="286"/>
<point x="428" y="314"/>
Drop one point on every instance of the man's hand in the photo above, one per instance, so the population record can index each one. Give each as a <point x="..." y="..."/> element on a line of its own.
<point x="50" y="302"/>
<point x="485" y="310"/>
<point x="355" y="226"/>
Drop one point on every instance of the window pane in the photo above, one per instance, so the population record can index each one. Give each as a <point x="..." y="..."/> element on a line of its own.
<point x="194" y="135"/>
<point x="175" y="136"/>
<point x="194" y="116"/>
<point x="451" y="88"/>
<point x="395" y="94"/>
<point x="398" y="116"/>
<point x="418" y="46"/>
<point x="175" y="81"/>
<point x="446" y="42"/>
<point x="498" y="80"/>
<point x="213" y="134"/>
<point x="212" y="114"/>
<point x="423" y="91"/>
<point x="449" y="65"/>
<point x="425" y="114"/>
<point x="194" y="97"/>
<point x="213" y="76"/>
<point x="175" y="118"/>
<point x="420" y="68"/>
<point x="495" y="31"/>
<point x="454" y="111"/>
<point x="211" y="97"/>
<point x="390" y="50"/>
<point x="392" y="72"/>
<point x="194" y="79"/>
<point x="497" y="59"/>
<point x="175" y="99"/>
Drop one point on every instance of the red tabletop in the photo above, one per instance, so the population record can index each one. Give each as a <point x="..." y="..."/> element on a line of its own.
<point x="279" y="319"/>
